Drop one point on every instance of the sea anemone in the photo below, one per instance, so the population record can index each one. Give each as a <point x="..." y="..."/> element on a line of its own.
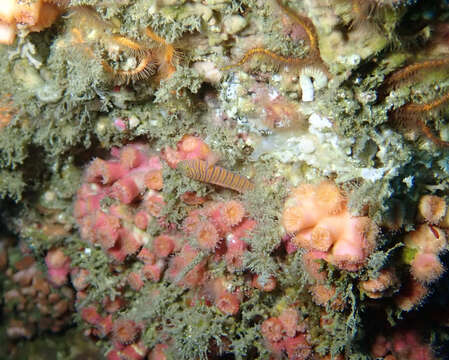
<point x="232" y="212"/>
<point x="207" y="236"/>
<point x="431" y="208"/>
<point x="125" y="331"/>
<point x="426" y="267"/>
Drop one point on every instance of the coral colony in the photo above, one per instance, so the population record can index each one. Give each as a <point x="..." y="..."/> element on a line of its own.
<point x="224" y="179"/>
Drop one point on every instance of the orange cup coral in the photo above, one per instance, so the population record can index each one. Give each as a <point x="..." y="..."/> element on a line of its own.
<point x="35" y="15"/>
<point x="318" y="217"/>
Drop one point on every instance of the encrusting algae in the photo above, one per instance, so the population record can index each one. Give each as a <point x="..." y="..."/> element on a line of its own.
<point x="224" y="179"/>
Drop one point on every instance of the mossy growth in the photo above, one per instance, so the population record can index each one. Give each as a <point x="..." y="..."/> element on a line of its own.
<point x="156" y="305"/>
<point x="12" y="185"/>
<point x="226" y="144"/>
<point x="43" y="219"/>
<point x="274" y="34"/>
<point x="207" y="331"/>
<point x="175" y="185"/>
<point x="63" y="182"/>
<point x="265" y="204"/>
<point x="192" y="338"/>
<point x="169" y="22"/>
<point x="343" y="327"/>
<point x="237" y="6"/>
<point x="292" y="272"/>
<point x="103" y="284"/>
<point x="381" y="259"/>
<point x="13" y="145"/>
<point x="175" y="89"/>
<point x="52" y="110"/>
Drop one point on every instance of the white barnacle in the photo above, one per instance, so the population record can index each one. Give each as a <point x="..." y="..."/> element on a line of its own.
<point x="308" y="86"/>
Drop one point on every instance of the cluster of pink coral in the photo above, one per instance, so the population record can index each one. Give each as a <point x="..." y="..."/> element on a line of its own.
<point x="125" y="333"/>
<point x="129" y="187"/>
<point x="287" y="334"/>
<point x="190" y="147"/>
<point x="34" y="304"/>
<point x="119" y="199"/>
<point x="422" y="249"/>
<point x="404" y="344"/>
<point x="428" y="240"/>
<point x="214" y="232"/>
<point x="318" y="220"/>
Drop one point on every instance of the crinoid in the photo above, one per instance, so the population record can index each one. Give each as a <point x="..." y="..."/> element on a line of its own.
<point x="416" y="115"/>
<point x="410" y="72"/>
<point x="166" y="55"/>
<point x="125" y="59"/>
<point x="267" y="53"/>
<point x="307" y="25"/>
<point x="370" y="10"/>
<point x="143" y="67"/>
<point x="364" y="12"/>
<point x="313" y="57"/>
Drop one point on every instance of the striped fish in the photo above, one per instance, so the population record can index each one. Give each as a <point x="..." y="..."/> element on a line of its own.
<point x="200" y="170"/>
